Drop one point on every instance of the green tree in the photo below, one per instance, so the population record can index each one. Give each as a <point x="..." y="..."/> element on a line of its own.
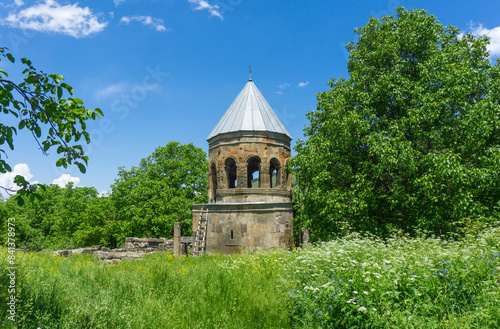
<point x="68" y="217"/>
<point x="149" y="199"/>
<point x="35" y="103"/>
<point x="410" y="140"/>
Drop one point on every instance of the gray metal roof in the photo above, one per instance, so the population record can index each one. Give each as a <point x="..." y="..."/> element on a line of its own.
<point x="249" y="112"/>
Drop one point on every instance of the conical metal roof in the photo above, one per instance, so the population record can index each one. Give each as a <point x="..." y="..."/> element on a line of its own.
<point x="249" y="112"/>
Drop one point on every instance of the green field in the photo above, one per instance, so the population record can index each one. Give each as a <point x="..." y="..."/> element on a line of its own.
<point x="358" y="282"/>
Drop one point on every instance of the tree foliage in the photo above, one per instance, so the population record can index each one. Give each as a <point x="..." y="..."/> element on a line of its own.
<point x="412" y="138"/>
<point x="146" y="201"/>
<point x="38" y="105"/>
<point x="69" y="217"/>
<point x="150" y="198"/>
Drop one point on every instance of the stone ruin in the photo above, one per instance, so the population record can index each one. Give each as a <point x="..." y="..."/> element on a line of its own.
<point x="136" y="248"/>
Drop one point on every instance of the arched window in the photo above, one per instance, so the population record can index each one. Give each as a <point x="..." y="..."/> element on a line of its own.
<point x="231" y="173"/>
<point x="253" y="170"/>
<point x="275" y="173"/>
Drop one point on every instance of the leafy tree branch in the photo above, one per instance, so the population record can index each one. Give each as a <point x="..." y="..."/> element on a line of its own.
<point x="39" y="102"/>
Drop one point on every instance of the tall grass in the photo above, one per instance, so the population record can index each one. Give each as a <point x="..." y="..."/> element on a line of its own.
<point x="360" y="282"/>
<point x="158" y="292"/>
<point x="365" y="282"/>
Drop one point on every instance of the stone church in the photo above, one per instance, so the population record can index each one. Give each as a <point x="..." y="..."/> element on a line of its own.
<point x="249" y="192"/>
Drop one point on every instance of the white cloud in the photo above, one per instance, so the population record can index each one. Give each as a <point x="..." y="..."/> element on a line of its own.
<point x="104" y="193"/>
<point x="13" y="4"/>
<point x="156" y="23"/>
<point x="283" y="85"/>
<point x="65" y="179"/>
<point x="118" y="2"/>
<point x="50" y="16"/>
<point x="7" y="179"/>
<point x="278" y="92"/>
<point x="111" y="90"/>
<point x="204" y="5"/>
<point x="302" y="84"/>
<point x="493" y="34"/>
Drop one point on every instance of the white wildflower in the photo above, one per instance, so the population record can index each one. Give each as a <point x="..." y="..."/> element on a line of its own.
<point x="352" y="300"/>
<point x="362" y="309"/>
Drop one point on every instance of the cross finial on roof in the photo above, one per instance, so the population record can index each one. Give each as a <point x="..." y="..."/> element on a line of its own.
<point x="250" y="69"/>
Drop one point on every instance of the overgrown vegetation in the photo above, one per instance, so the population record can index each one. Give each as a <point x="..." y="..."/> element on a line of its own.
<point x="148" y="199"/>
<point x="401" y="282"/>
<point x="67" y="217"/>
<point x="410" y="140"/>
<point x="355" y="281"/>
<point x="145" y="201"/>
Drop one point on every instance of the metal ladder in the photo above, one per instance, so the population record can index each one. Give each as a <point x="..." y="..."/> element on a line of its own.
<point x="201" y="234"/>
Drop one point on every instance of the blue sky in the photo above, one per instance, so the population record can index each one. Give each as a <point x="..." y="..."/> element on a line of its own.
<point x="167" y="70"/>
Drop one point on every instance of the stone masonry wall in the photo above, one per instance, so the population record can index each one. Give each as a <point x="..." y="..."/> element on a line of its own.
<point x="237" y="228"/>
<point x="135" y="248"/>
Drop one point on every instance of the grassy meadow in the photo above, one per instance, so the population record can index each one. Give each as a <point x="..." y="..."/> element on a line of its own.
<point x="353" y="282"/>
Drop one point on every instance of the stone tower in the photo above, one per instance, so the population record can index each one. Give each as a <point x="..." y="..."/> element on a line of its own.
<point x="250" y="194"/>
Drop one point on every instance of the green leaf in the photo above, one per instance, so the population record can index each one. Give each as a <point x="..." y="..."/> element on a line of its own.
<point x="10" y="57"/>
<point x="87" y="136"/>
<point x="21" y="181"/>
<point x="32" y="78"/>
<point x="6" y="166"/>
<point x="26" y="61"/>
<point x="82" y="168"/>
<point x="20" y="201"/>
<point x="67" y="87"/>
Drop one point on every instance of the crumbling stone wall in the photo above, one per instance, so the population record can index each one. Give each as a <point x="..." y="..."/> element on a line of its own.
<point x="135" y="248"/>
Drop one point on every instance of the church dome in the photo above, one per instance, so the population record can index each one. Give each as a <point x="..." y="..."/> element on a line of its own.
<point x="248" y="114"/>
